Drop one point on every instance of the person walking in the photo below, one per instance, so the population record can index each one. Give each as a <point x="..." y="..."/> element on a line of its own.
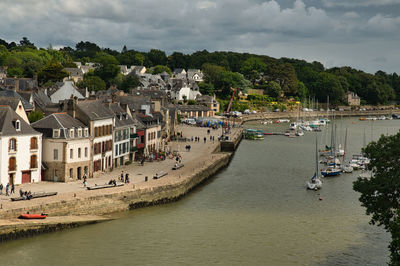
<point x="7" y="188"/>
<point x="205" y="139"/>
<point x="12" y="189"/>
<point x="122" y="176"/>
<point x="84" y="180"/>
<point x="126" y="178"/>
<point x="1" y="189"/>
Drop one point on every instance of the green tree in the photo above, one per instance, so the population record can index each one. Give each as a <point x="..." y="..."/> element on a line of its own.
<point x="92" y="82"/>
<point x="252" y="67"/>
<point x="15" y="72"/>
<point x="206" y="88"/>
<point x="35" y="116"/>
<point x="274" y="89"/>
<point x="159" y="69"/>
<point x="380" y="193"/>
<point x="129" y="82"/>
<point x="157" y="57"/>
<point x="53" y="72"/>
<point x="107" y="67"/>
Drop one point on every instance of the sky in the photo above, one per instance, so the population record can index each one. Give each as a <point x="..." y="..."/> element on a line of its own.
<point x="363" y="34"/>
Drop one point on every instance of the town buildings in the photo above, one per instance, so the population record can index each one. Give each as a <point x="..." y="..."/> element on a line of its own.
<point x="352" y="99"/>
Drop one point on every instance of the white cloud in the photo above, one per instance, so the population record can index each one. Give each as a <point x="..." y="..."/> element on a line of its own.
<point x="359" y="3"/>
<point x="381" y="23"/>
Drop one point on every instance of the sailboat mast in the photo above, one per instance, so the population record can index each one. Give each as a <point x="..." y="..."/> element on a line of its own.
<point x="316" y="156"/>
<point x="345" y="143"/>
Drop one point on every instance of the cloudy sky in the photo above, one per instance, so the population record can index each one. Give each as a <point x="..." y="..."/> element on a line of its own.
<point x="360" y="33"/>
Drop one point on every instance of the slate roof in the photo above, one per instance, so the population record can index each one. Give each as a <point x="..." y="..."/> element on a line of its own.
<point x="122" y="119"/>
<point x="7" y="123"/>
<point x="61" y="121"/>
<point x="74" y="71"/>
<point x="12" y="102"/>
<point x="14" y="94"/>
<point x="94" y="110"/>
<point x="192" y="108"/>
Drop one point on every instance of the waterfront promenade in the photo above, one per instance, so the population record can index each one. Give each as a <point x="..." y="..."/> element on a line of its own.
<point x="201" y="156"/>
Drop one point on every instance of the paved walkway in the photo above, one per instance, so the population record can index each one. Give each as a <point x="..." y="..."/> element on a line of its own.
<point x="199" y="152"/>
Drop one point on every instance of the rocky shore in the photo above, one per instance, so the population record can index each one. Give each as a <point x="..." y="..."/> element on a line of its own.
<point x="75" y="206"/>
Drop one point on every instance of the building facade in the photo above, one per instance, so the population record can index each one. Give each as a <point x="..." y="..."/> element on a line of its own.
<point x="20" y="149"/>
<point x="66" y="148"/>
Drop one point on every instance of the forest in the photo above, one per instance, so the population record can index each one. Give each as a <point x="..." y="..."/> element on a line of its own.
<point x="279" y="78"/>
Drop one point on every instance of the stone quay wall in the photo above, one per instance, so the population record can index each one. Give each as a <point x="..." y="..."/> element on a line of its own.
<point x="137" y="196"/>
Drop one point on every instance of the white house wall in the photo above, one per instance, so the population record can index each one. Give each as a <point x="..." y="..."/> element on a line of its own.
<point x="22" y="155"/>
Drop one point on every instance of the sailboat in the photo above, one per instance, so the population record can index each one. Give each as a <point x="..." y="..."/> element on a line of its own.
<point x="347" y="168"/>
<point x="332" y="169"/>
<point x="315" y="182"/>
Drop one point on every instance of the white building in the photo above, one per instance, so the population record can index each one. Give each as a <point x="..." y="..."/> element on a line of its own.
<point x="64" y="91"/>
<point x="20" y="149"/>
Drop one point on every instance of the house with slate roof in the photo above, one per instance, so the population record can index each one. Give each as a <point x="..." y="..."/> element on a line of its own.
<point x="66" y="148"/>
<point x="21" y="149"/>
<point x="100" y="121"/>
<point x="63" y="91"/>
<point x="28" y="107"/>
<point x="16" y="105"/>
<point x="194" y="111"/>
<point x="124" y="139"/>
<point x="75" y="74"/>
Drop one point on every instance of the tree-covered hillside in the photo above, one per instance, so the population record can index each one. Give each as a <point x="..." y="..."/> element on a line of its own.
<point x="223" y="70"/>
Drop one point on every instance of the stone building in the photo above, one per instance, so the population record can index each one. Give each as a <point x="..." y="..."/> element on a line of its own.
<point x="194" y="111"/>
<point x="66" y="147"/>
<point x="20" y="149"/>
<point x="352" y="98"/>
<point x="209" y="101"/>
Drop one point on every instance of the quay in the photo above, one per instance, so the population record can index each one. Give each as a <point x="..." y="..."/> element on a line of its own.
<point x="74" y="205"/>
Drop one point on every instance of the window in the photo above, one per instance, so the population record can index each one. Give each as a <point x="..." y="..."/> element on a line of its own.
<point x="71" y="153"/>
<point x="12" y="146"/>
<point x="79" y="132"/>
<point x="56" y="133"/>
<point x="34" y="144"/>
<point x="71" y="173"/>
<point x="18" y="125"/>
<point x="55" y="154"/>
<point x="116" y="150"/>
<point x="86" y="132"/>
<point x="34" y="161"/>
<point x="96" y="132"/>
<point x="86" y="152"/>
<point x="85" y="170"/>
<point x="12" y="164"/>
<point x="71" y="133"/>
<point x="79" y="152"/>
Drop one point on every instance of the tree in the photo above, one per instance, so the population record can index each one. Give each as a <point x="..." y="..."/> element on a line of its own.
<point x="129" y="82"/>
<point x="35" y="116"/>
<point x="159" y="69"/>
<point x="107" y="68"/>
<point x="274" y="89"/>
<point x="380" y="193"/>
<point x="53" y="72"/>
<point x="92" y="82"/>
<point x="26" y="43"/>
<point x="252" y="67"/>
<point x="206" y="88"/>
<point x="157" y="57"/>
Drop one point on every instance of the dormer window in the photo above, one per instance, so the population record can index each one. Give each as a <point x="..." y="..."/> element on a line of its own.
<point x="79" y="132"/>
<point x="56" y="133"/>
<point x="86" y="132"/>
<point x="17" y="125"/>
<point x="71" y="133"/>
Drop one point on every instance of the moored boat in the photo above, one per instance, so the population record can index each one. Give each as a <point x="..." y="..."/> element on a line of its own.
<point x="253" y="134"/>
<point x="32" y="216"/>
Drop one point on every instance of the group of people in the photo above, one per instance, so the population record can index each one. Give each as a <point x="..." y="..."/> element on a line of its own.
<point x="124" y="179"/>
<point x="8" y="191"/>
<point x="188" y="147"/>
<point x="27" y="195"/>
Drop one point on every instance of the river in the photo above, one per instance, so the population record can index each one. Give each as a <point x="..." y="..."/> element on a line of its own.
<point x="255" y="212"/>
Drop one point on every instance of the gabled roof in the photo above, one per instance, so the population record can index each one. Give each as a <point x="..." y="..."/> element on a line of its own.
<point x="61" y="121"/>
<point x="12" y="102"/>
<point x="192" y="108"/>
<point x="8" y="117"/>
<point x="122" y="119"/>
<point x="14" y="94"/>
<point x="94" y="110"/>
<point x="74" y="71"/>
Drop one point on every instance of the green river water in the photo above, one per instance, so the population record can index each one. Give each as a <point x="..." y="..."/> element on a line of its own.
<point x="255" y="212"/>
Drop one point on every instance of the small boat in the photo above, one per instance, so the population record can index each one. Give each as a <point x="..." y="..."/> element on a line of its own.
<point x="331" y="171"/>
<point x="32" y="216"/>
<point x="315" y="182"/>
<point x="95" y="187"/>
<point x="299" y="133"/>
<point x="253" y="134"/>
<point x="177" y="166"/>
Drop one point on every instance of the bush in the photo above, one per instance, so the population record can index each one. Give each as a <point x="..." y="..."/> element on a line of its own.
<point x="128" y="162"/>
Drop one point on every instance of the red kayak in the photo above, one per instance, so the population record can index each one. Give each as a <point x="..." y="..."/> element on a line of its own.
<point x="32" y="216"/>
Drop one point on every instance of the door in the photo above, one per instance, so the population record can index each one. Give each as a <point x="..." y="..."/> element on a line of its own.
<point x="26" y="177"/>
<point x="79" y="173"/>
<point x="55" y="177"/>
